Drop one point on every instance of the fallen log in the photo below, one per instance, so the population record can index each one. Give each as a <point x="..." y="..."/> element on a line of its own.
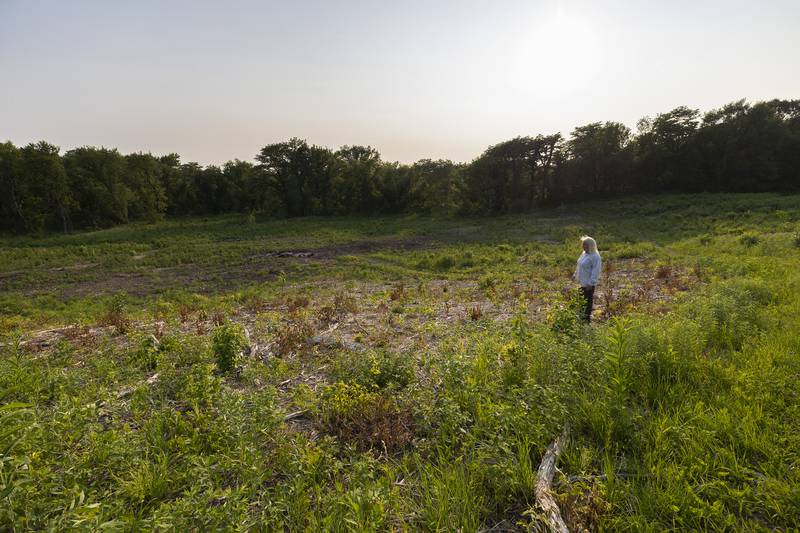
<point x="544" y="483"/>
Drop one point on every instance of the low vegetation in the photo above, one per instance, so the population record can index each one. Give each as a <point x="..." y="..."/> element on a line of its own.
<point x="406" y="372"/>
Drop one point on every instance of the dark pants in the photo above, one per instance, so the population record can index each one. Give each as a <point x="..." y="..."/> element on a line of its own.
<point x="587" y="301"/>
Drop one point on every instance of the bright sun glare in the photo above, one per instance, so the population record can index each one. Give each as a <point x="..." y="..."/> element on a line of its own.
<point x="558" y="52"/>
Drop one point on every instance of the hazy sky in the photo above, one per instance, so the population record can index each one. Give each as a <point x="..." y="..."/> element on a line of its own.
<point x="217" y="80"/>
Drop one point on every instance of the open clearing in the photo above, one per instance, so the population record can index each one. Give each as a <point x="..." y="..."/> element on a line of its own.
<point x="406" y="372"/>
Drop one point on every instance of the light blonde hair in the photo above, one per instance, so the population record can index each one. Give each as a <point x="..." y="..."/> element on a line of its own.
<point x="590" y="242"/>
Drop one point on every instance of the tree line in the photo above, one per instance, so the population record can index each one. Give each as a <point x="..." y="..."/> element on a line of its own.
<point x="740" y="147"/>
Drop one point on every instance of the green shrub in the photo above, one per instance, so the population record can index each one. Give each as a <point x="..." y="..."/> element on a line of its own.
<point x="145" y="356"/>
<point x="365" y="417"/>
<point x="749" y="239"/>
<point x="564" y="315"/>
<point x="200" y="387"/>
<point x="445" y="263"/>
<point x="728" y="315"/>
<point x="180" y="351"/>
<point x="514" y="364"/>
<point x="343" y="401"/>
<point x="487" y="282"/>
<point x="375" y="369"/>
<point x="466" y="260"/>
<point x="116" y="314"/>
<point x="227" y="344"/>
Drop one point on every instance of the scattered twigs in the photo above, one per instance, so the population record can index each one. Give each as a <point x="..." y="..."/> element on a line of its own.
<point x="124" y="393"/>
<point x="296" y="414"/>
<point x="598" y="477"/>
<point x="544" y="482"/>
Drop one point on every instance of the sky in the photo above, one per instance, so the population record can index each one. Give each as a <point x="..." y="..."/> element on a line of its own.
<point x="215" y="81"/>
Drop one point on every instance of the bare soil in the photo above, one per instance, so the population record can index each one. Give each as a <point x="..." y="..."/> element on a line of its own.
<point x="88" y="279"/>
<point x="394" y="315"/>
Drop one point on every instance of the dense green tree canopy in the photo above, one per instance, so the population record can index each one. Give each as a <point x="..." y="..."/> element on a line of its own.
<point x="739" y="147"/>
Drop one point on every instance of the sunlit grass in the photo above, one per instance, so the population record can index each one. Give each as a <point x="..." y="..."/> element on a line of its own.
<point x="683" y="414"/>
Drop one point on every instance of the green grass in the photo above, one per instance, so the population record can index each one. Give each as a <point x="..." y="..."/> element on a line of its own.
<point x="408" y="409"/>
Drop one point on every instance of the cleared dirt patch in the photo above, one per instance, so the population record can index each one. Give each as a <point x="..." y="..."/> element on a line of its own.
<point x="89" y="279"/>
<point x="351" y="248"/>
<point x="393" y="315"/>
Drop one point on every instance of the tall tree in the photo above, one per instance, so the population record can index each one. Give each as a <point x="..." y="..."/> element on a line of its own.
<point x="286" y="168"/>
<point x="242" y="190"/>
<point x="11" y="207"/>
<point x="666" y="152"/>
<point x="599" y="158"/>
<point x="97" y="180"/>
<point x="143" y="176"/>
<point x="747" y="147"/>
<point x="356" y="185"/>
<point x="435" y="186"/>
<point x="512" y="175"/>
<point x="42" y="194"/>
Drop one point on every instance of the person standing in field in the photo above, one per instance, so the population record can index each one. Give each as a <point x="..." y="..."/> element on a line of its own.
<point x="587" y="273"/>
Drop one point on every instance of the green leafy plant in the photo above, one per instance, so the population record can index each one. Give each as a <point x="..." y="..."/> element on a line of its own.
<point x="564" y="314"/>
<point x="368" y="418"/>
<point x="445" y="263"/>
<point x="227" y="343"/>
<point x="375" y="369"/>
<point x="749" y="239"/>
<point x="616" y="357"/>
<point x="116" y="314"/>
<point x="145" y="356"/>
<point x="15" y="421"/>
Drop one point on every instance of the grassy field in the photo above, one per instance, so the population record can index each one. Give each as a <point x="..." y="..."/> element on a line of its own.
<point x="407" y="372"/>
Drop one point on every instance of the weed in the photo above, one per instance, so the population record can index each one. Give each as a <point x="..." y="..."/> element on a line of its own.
<point x="326" y="314"/>
<point x="375" y="369"/>
<point x="610" y="289"/>
<point x="681" y="420"/>
<point x="257" y="304"/>
<point x="564" y="314"/>
<point x="200" y="322"/>
<point x="475" y="313"/>
<point x="487" y="282"/>
<point x="444" y="263"/>
<point x="365" y="417"/>
<point x="749" y="239"/>
<point x="344" y="304"/>
<point x="227" y="344"/>
<point x="664" y="272"/>
<point x="398" y="292"/>
<point x="184" y="313"/>
<point x="116" y="315"/>
<point x="583" y="506"/>
<point x="296" y="303"/>
<point x="218" y="318"/>
<point x="516" y="291"/>
<point x="616" y="356"/>
<point x="292" y="336"/>
<point x="146" y="356"/>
